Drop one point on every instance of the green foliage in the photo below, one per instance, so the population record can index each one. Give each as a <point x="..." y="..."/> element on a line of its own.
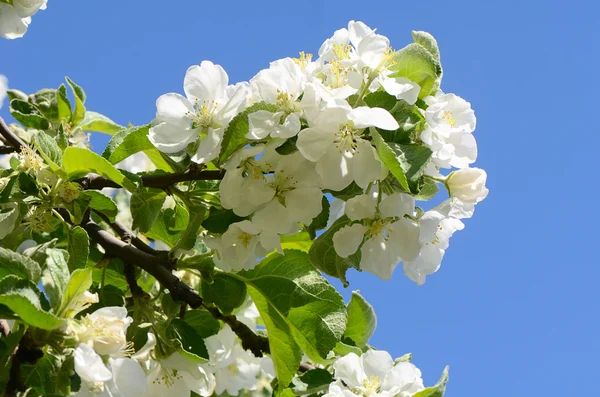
<point x="312" y="381"/>
<point x="226" y="292"/>
<point x="323" y="256"/>
<point x="145" y="208"/>
<point x="218" y="220"/>
<point x="28" y="114"/>
<point x="48" y="376"/>
<point x="49" y="150"/>
<point x="79" y="282"/>
<point x="416" y="63"/>
<point x="235" y="134"/>
<point x="361" y="320"/>
<point x="78" y="161"/>
<point x="202" y="322"/>
<point x="79" y="94"/>
<point x="190" y="343"/>
<point x="127" y="142"/>
<point x="56" y="276"/>
<point x="426" y="40"/>
<point x="99" y="123"/>
<point x="79" y="248"/>
<point x="23" y="297"/>
<point x="170" y="225"/>
<point x="12" y="263"/>
<point x="388" y="158"/>
<point x="101" y="203"/>
<point x="301" y="310"/>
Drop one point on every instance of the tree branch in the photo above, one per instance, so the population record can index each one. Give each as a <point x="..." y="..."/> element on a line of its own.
<point x="162" y="181"/>
<point x="11" y="138"/>
<point x="7" y="149"/>
<point x="127" y="235"/>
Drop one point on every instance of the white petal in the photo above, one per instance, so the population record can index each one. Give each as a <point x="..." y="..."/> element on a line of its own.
<point x="397" y="205"/>
<point x="404" y="236"/>
<point x="313" y="143"/>
<point x="206" y="82"/>
<point x="401" y="88"/>
<point x="209" y="147"/>
<point x="11" y="25"/>
<point x="365" y="164"/>
<point x="364" y="116"/>
<point x="360" y="207"/>
<point x="379" y="257"/>
<point x="377" y="363"/>
<point x="347" y="240"/>
<point x="372" y="49"/>
<point x="349" y="369"/>
<point x="289" y="128"/>
<point x="304" y="204"/>
<point x="262" y="123"/>
<point x="334" y="170"/>
<point x="89" y="365"/>
<point x="169" y="138"/>
<point x="174" y="109"/>
<point x="128" y="376"/>
<point x="404" y="377"/>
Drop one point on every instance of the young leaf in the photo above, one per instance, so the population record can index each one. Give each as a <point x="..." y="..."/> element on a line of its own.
<point x="102" y="203"/>
<point x="218" y="220"/>
<point x="226" y="292"/>
<point x="79" y="283"/>
<point x="23" y="298"/>
<point x="361" y="320"/>
<point x="323" y="256"/>
<point x="416" y="63"/>
<point x="235" y="134"/>
<point x="99" y="123"/>
<point x="49" y="150"/>
<point x="428" y="41"/>
<point x="46" y="102"/>
<point x="79" y="111"/>
<point x="291" y="287"/>
<point x="79" y="248"/>
<point x="28" y="115"/>
<point x="127" y="142"/>
<point x="412" y="158"/>
<point x="300" y="241"/>
<point x="170" y="225"/>
<point x="12" y="263"/>
<point x="388" y="157"/>
<point x="10" y="217"/>
<point x="63" y="105"/>
<point x="203" y="322"/>
<point x="79" y="161"/>
<point x="56" y="276"/>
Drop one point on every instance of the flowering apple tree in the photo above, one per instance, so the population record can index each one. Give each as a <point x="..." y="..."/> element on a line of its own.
<point x="189" y="256"/>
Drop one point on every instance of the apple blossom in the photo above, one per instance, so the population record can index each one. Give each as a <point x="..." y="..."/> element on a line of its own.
<point x="16" y="17"/>
<point x="468" y="184"/>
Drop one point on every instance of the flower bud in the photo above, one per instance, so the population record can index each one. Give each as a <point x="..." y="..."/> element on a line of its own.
<point x="68" y="192"/>
<point x="468" y="184"/>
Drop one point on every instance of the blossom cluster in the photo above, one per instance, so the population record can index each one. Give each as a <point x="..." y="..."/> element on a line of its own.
<point x="16" y="16"/>
<point x="106" y="363"/>
<point x="309" y="133"/>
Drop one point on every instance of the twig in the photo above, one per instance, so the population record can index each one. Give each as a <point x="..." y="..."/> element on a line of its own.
<point x="162" y="181"/>
<point x="127" y="235"/>
<point x="7" y="149"/>
<point x="136" y="290"/>
<point x="14" y="140"/>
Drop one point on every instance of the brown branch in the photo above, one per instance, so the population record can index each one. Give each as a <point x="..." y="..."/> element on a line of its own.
<point x="127" y="235"/>
<point x="7" y="149"/>
<point x="161" y="181"/>
<point x="10" y="136"/>
<point x="136" y="290"/>
<point x="250" y="341"/>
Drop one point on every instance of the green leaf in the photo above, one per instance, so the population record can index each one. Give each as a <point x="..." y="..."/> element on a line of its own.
<point x="234" y="137"/>
<point x="78" y="162"/>
<point x="99" y="123"/>
<point x="361" y="320"/>
<point x="56" y="276"/>
<point x="381" y="99"/>
<point x="170" y="306"/>
<point x="416" y="63"/>
<point x="170" y="225"/>
<point x="438" y="390"/>
<point x="79" y="248"/>
<point x="23" y="298"/>
<point x="323" y="256"/>
<point x="63" y="105"/>
<point x="428" y="41"/>
<point x="412" y="158"/>
<point x="127" y="142"/>
<point x="428" y="188"/>
<point x="299" y="241"/>
<point x="49" y="150"/>
<point x="187" y="241"/>
<point x="46" y="376"/>
<point x="312" y="381"/>
<point x="46" y="102"/>
<point x="12" y="263"/>
<point x="28" y="115"/>
<point x="218" y="220"/>
<point x="226" y="292"/>
<point x="102" y="203"/>
<point x="79" y="283"/>
<point x="342" y="349"/>
<point x="190" y="342"/>
<point x="203" y="322"/>
<point x="10" y="217"/>
<point x="15" y="94"/>
<point x="320" y="221"/>
<point x="79" y="111"/>
<point x="293" y="289"/>
<point x="145" y="208"/>
<point x="388" y="157"/>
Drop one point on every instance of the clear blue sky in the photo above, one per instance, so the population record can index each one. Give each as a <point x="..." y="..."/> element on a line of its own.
<point x="514" y="308"/>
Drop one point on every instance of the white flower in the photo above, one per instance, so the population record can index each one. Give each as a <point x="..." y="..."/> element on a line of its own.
<point x="374" y="373"/>
<point x="176" y="376"/>
<point x="468" y="184"/>
<point x="244" y="186"/>
<point x="436" y="227"/>
<point x="201" y="117"/>
<point x="234" y="368"/>
<point x="388" y="236"/>
<point x="240" y="246"/>
<point x="123" y="377"/>
<point x="15" y="18"/>
<point x="105" y="330"/>
<point x="3" y="88"/>
<point x="335" y="142"/>
<point x="297" y="195"/>
<point x="281" y="85"/>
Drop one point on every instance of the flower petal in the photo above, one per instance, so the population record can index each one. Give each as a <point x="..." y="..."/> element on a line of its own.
<point x="347" y="240"/>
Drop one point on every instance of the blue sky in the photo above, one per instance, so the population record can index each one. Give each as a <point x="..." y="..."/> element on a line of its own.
<point x="514" y="308"/>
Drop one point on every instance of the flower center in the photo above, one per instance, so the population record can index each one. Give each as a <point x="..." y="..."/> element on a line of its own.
<point x="168" y="377"/>
<point x="342" y="51"/>
<point x="282" y="185"/>
<point x="346" y="139"/>
<point x="449" y="119"/>
<point x="233" y="368"/>
<point x="286" y="102"/>
<point x="203" y="115"/>
<point x="370" y="387"/>
<point x="245" y="239"/>
<point x="30" y="159"/>
<point x="378" y="227"/>
<point x="303" y="60"/>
